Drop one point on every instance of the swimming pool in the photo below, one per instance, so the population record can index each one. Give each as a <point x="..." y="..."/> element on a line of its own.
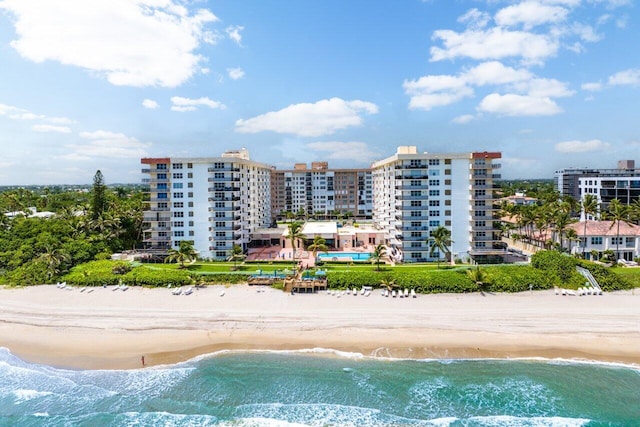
<point x="341" y="256"/>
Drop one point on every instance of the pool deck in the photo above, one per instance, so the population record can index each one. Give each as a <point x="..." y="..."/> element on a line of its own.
<point x="272" y="253"/>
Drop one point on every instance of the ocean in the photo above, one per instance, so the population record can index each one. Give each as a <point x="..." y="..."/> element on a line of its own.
<point x="322" y="388"/>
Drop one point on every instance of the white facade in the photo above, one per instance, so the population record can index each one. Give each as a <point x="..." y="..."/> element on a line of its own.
<point x="415" y="193"/>
<point x="214" y="202"/>
<point x="600" y="236"/>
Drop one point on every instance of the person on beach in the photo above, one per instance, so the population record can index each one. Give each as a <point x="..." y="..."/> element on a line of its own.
<point x="142" y="359"/>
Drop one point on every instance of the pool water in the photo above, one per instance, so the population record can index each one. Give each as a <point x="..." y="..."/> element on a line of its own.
<point x="355" y="256"/>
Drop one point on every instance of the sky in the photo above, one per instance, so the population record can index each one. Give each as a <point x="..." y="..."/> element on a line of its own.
<point x="99" y="84"/>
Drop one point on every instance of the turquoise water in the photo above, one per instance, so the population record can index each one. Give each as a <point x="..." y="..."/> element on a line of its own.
<point x="355" y="256"/>
<point x="294" y="389"/>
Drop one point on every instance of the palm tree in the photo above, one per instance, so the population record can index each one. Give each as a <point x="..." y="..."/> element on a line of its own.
<point x="572" y="236"/>
<point x="440" y="240"/>
<point x="53" y="258"/>
<point x="388" y="283"/>
<point x="236" y="254"/>
<point x="295" y="234"/>
<point x="378" y="254"/>
<point x="618" y="213"/>
<point x="479" y="277"/>
<point x="560" y="223"/>
<point x="319" y="245"/>
<point x="589" y="207"/>
<point x="184" y="253"/>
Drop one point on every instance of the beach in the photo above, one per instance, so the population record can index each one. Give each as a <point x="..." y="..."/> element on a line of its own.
<point x="102" y="328"/>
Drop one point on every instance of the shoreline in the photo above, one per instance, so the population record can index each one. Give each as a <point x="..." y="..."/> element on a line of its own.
<point x="108" y="329"/>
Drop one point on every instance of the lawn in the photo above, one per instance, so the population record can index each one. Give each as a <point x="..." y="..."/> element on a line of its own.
<point x="632" y="274"/>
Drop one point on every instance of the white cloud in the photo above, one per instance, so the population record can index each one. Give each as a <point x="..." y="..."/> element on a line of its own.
<point x="130" y="42"/>
<point x="432" y="91"/>
<point x="107" y="144"/>
<point x="235" y="73"/>
<point x="592" y="86"/>
<point x="463" y="119"/>
<point x="582" y="146"/>
<point x="353" y="151"/>
<point x="518" y="105"/>
<point x="186" y="104"/>
<point x="321" y="118"/>
<point x="9" y="109"/>
<point x="51" y="128"/>
<point x="493" y="43"/>
<point x="530" y="14"/>
<point x="150" y="104"/>
<point x="60" y="120"/>
<point x="233" y="32"/>
<point x="629" y="77"/>
<point x="475" y="19"/>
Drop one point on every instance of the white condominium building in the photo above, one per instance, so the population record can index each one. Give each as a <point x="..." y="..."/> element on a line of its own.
<point x="214" y="202"/>
<point x="322" y="192"/>
<point x="413" y="193"/>
<point x="622" y="183"/>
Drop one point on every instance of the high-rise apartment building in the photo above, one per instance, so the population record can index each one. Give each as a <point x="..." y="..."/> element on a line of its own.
<point x="414" y="193"/>
<point x="622" y="183"/>
<point x="320" y="191"/>
<point x="214" y="202"/>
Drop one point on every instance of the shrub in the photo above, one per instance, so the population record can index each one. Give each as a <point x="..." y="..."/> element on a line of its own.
<point x="606" y="278"/>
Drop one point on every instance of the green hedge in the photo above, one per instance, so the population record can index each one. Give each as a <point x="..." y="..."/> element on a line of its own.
<point x="423" y="281"/>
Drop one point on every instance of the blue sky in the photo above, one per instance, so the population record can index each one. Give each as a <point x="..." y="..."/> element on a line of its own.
<point x="98" y="84"/>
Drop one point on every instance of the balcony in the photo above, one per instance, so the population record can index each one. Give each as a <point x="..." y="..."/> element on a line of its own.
<point x="411" y="187"/>
<point x="156" y="218"/>
<point x="224" y="169"/>
<point x="218" y="189"/>
<point x="224" y="199"/>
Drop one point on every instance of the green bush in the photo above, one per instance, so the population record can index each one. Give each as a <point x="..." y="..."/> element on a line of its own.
<point x="423" y="281"/>
<point x="516" y="278"/>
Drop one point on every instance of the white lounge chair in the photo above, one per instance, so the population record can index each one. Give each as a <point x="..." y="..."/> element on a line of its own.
<point x="556" y="290"/>
<point x="367" y="293"/>
<point x="413" y="293"/>
<point x="362" y="291"/>
<point x="406" y="293"/>
<point x="188" y="291"/>
<point x="222" y="293"/>
<point x="355" y="291"/>
<point x="124" y="288"/>
<point x="563" y="292"/>
<point x="393" y="294"/>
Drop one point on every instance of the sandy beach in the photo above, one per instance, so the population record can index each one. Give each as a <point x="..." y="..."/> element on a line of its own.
<point x="107" y="329"/>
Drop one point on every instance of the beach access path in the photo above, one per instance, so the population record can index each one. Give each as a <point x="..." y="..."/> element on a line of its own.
<point x="113" y="329"/>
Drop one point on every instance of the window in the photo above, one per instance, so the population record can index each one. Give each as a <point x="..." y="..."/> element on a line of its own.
<point x="434" y="202"/>
<point x="415" y="183"/>
<point x="190" y="194"/>
<point x="481" y="223"/>
<point x="433" y="182"/>
<point x="416" y="193"/>
<point x="190" y="165"/>
<point x="220" y="223"/>
<point x="162" y="196"/>
<point x="178" y="214"/>
<point x="190" y="184"/>
<point x="415" y="203"/>
<point x="434" y="193"/>
<point x="480" y="244"/>
<point x="596" y="240"/>
<point x="190" y="175"/>
<point x="416" y="223"/>
<point x="479" y="213"/>
<point x="161" y="166"/>
<point x="191" y="233"/>
<point x="434" y="162"/>
<point x="416" y="214"/>
<point x="479" y="203"/>
<point x="416" y="244"/>
<point x="178" y="233"/>
<point x="177" y="185"/>
<point x="190" y="204"/>
<point x="434" y="213"/>
<point x="191" y="213"/>
<point x="162" y="186"/>
<point x="178" y="223"/>
<point x="416" y="255"/>
<point x="434" y="172"/>
<point x="479" y="182"/>
<point x="479" y="193"/>
<point x="162" y="176"/>
<point x="178" y="204"/>
<point x="177" y="176"/>
<point x="177" y="165"/>
<point x="163" y="205"/>
<point x="178" y="195"/>
<point x="616" y="240"/>
<point x="190" y="223"/>
<point x="434" y="223"/>
<point x="416" y="234"/>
